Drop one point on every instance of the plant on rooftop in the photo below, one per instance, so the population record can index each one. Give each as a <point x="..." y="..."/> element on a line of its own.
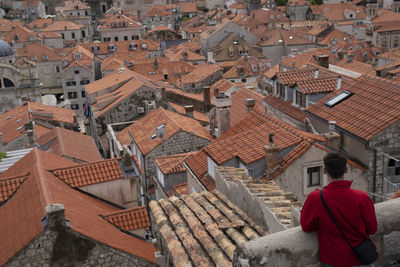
<point x="3" y="155"/>
<point x="280" y="2"/>
<point x="316" y="2"/>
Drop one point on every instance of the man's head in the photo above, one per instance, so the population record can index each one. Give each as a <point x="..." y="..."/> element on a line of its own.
<point x="335" y="165"/>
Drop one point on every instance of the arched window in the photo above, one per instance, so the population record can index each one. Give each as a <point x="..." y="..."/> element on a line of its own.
<point x="8" y="82"/>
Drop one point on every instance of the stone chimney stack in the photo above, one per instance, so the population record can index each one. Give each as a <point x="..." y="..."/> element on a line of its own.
<point x="223" y="104"/>
<point x="316" y="74"/>
<point x="339" y="83"/>
<point x="206" y="98"/>
<point x="55" y="214"/>
<point x="189" y="111"/>
<point x="332" y="137"/>
<point x="30" y="132"/>
<point x="127" y="160"/>
<point x="210" y="57"/>
<point x="250" y="103"/>
<point x="323" y="61"/>
<point x="271" y="154"/>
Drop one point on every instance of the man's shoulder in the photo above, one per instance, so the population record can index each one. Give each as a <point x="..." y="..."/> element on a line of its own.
<point x="359" y="194"/>
<point x="314" y="195"/>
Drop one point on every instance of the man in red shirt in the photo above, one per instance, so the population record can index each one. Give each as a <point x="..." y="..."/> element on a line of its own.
<point x="353" y="210"/>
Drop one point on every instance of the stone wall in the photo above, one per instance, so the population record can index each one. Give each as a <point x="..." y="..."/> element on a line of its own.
<point x="181" y="142"/>
<point x="387" y="142"/>
<point x="294" y="247"/>
<point x="67" y="248"/>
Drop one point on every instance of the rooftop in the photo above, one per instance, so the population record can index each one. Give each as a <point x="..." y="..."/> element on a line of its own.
<point x="129" y="219"/>
<point x="172" y="163"/>
<point x="202" y="229"/>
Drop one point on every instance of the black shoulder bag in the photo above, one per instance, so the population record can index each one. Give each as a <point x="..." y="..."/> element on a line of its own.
<point x="365" y="251"/>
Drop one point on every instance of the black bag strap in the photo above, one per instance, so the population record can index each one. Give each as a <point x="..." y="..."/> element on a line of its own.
<point x="333" y="218"/>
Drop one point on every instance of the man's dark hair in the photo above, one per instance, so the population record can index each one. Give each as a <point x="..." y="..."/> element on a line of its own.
<point x="335" y="164"/>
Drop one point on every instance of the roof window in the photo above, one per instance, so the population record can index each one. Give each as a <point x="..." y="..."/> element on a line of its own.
<point x="338" y="99"/>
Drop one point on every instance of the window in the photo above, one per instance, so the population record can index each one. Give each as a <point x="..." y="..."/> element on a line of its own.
<point x="71" y="83"/>
<point x="83" y="93"/>
<point x="72" y="35"/>
<point x="125" y="38"/>
<point x="393" y="168"/>
<point x="77" y="55"/>
<point x="72" y="95"/>
<point x="44" y="57"/>
<point x="135" y="37"/>
<point x="86" y="13"/>
<point x="33" y="58"/>
<point x="58" y="68"/>
<point x="313" y="176"/>
<point x="106" y="39"/>
<point x="62" y="36"/>
<point x="83" y="82"/>
<point x="74" y="106"/>
<point x="76" y="71"/>
<point x="244" y="80"/>
<point x="280" y="90"/>
<point x="79" y="14"/>
<point x="300" y="99"/>
<point x="83" y="34"/>
<point x="338" y="99"/>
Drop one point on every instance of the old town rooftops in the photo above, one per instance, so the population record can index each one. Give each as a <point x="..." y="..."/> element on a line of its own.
<point x="142" y="130"/>
<point x="202" y="229"/>
<point x="22" y="214"/>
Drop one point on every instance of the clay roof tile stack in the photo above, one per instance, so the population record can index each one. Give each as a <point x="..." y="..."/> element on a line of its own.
<point x="202" y="229"/>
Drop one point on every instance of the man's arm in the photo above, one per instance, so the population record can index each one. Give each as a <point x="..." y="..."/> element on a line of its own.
<point x="308" y="219"/>
<point x="368" y="215"/>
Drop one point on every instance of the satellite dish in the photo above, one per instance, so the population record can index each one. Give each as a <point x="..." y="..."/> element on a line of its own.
<point x="49" y="100"/>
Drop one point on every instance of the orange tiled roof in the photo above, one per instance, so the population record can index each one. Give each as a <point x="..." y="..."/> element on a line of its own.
<point x="291" y="76"/>
<point x="9" y="186"/>
<point x="12" y="121"/>
<point x="93" y="173"/>
<point x="156" y="11"/>
<point x="70" y="144"/>
<point x="41" y="52"/>
<point x="238" y="107"/>
<point x="181" y="189"/>
<point x="40" y="23"/>
<point x="22" y="214"/>
<point x="198" y="116"/>
<point x="172" y="163"/>
<point x="143" y="129"/>
<point x="20" y="34"/>
<point x="121" y="20"/>
<point x="335" y="12"/>
<point x="200" y="73"/>
<point x="129" y="219"/>
<point x="372" y="108"/>
<point x="60" y="25"/>
<point x="247" y="138"/>
<point x="314" y="86"/>
<point x="285" y="107"/>
<point x="73" y="5"/>
<point x="198" y="165"/>
<point x="209" y="225"/>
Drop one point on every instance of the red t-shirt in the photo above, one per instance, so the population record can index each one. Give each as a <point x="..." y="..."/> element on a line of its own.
<point x="355" y="214"/>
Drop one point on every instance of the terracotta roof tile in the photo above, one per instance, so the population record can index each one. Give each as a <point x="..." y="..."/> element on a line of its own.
<point x="285" y="107"/>
<point x="12" y="121"/>
<point x="70" y="144"/>
<point x="129" y="219"/>
<point x="40" y="23"/>
<point x="93" y="173"/>
<point x="20" y="34"/>
<point x="22" y="214"/>
<point x="60" y="25"/>
<point x="172" y="163"/>
<point x="198" y="165"/>
<point x="181" y="189"/>
<point x="143" y="129"/>
<point x="202" y="229"/>
<point x="156" y="10"/>
<point x="200" y="73"/>
<point x="41" y="52"/>
<point x="291" y="76"/>
<point x="73" y="5"/>
<point x="198" y="116"/>
<point x="238" y="108"/>
<point x="371" y="109"/>
<point x="335" y="12"/>
<point x="319" y="85"/>
<point x="121" y="20"/>
<point x="9" y="186"/>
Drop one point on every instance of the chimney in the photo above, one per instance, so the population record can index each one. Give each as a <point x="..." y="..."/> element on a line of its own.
<point x="30" y="132"/>
<point x="189" y="111"/>
<point x="155" y="64"/>
<point x="127" y="160"/>
<point x="316" y="73"/>
<point x="339" y="83"/>
<point x="332" y="137"/>
<point x="55" y="215"/>
<point x="250" y="103"/>
<point x="164" y="93"/>
<point x="1" y="139"/>
<point x="210" y="57"/>
<point x="271" y="154"/>
<point x="323" y="61"/>
<point x="223" y="104"/>
<point x="206" y="98"/>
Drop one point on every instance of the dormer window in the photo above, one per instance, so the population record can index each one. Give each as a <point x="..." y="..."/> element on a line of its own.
<point x="77" y="55"/>
<point x="44" y="57"/>
<point x="33" y="58"/>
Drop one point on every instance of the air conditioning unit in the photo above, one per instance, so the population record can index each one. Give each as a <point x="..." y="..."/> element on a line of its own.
<point x="140" y="110"/>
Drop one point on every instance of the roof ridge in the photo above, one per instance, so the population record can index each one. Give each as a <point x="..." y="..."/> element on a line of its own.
<point x="14" y="177"/>
<point x="39" y="175"/>
<point x="123" y="211"/>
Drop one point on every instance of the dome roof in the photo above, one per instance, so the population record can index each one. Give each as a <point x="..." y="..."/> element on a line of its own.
<point x="5" y="49"/>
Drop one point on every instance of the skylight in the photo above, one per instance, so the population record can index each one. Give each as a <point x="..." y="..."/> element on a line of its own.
<point x="338" y="99"/>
